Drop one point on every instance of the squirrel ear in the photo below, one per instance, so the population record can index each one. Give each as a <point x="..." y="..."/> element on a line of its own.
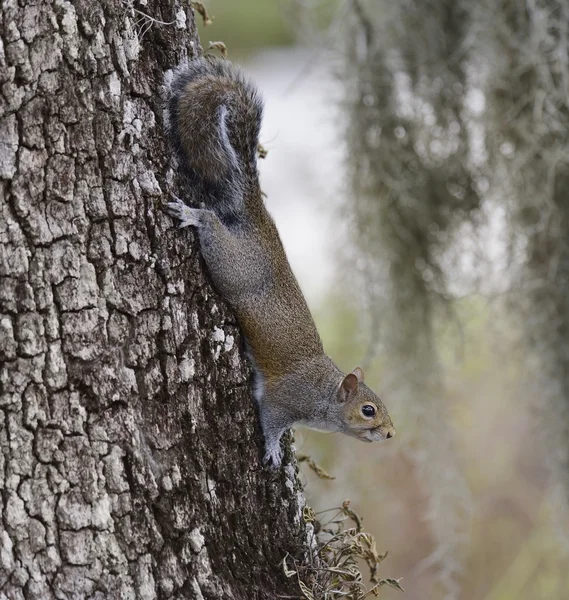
<point x="359" y="373"/>
<point x="350" y="382"/>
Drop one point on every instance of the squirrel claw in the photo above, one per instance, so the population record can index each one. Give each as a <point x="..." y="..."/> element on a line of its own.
<point x="186" y="215"/>
<point x="175" y="204"/>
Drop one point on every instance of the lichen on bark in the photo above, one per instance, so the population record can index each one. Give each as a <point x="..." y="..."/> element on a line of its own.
<point x="129" y="444"/>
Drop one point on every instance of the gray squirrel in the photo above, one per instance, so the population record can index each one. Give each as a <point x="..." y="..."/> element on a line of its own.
<point x="214" y="117"/>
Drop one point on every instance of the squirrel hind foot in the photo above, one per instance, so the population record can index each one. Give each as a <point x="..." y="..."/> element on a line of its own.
<point x="183" y="213"/>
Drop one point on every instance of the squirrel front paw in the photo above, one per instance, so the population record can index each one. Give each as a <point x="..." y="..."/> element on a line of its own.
<point x="183" y="213"/>
<point x="273" y="456"/>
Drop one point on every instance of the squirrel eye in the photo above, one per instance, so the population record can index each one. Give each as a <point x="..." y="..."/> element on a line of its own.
<point x="368" y="410"/>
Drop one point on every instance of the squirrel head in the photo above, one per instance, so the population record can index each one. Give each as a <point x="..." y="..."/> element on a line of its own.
<point x="363" y="413"/>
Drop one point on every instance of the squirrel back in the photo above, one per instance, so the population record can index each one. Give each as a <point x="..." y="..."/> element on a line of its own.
<point x="214" y="119"/>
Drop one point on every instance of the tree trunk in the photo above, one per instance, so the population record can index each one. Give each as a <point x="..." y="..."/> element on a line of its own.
<point x="130" y="448"/>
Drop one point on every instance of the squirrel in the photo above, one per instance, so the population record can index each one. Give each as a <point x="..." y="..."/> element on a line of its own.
<point x="213" y="116"/>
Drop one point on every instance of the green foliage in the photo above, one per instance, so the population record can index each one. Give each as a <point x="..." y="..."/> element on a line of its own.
<point x="527" y="124"/>
<point x="338" y="326"/>
<point x="246" y="25"/>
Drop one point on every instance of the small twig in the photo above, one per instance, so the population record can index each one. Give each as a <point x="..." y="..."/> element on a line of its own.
<point x="152" y="19"/>
<point x="218" y="46"/>
<point x="314" y="465"/>
<point x="201" y="9"/>
<point x="353" y="515"/>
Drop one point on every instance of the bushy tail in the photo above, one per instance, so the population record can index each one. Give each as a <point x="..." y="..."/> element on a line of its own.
<point x="214" y="120"/>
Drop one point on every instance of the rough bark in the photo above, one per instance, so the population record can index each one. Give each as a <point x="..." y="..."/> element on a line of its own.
<point x="129" y="444"/>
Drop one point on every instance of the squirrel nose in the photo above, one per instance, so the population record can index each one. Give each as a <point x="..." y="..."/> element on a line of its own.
<point x="390" y="433"/>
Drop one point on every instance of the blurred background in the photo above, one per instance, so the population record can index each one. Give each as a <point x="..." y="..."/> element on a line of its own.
<point x="418" y="171"/>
